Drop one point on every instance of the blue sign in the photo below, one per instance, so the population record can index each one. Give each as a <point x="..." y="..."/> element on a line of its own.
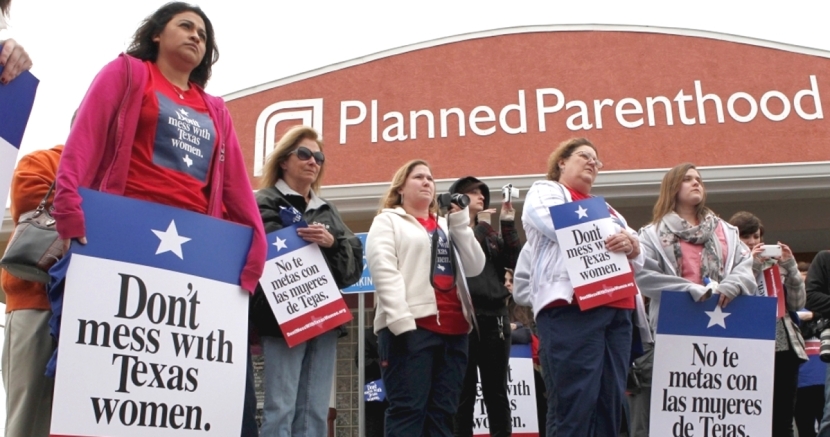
<point x="374" y="391"/>
<point x="364" y="284"/>
<point x="163" y="237"/>
<point x="706" y="319"/>
<point x="16" y="101"/>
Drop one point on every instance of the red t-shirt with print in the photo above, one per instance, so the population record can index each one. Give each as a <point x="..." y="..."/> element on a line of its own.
<point x="450" y="318"/>
<point x="174" y="146"/>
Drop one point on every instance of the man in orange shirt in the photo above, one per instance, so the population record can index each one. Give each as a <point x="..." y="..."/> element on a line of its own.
<point x="28" y="344"/>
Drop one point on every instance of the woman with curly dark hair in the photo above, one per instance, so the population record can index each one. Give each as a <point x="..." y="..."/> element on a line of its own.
<point x="147" y="130"/>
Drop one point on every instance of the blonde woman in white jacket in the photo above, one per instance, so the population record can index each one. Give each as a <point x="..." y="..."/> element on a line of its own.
<point x="584" y="353"/>
<point x="419" y="262"/>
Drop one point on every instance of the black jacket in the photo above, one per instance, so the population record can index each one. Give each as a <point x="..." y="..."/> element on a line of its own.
<point x="818" y="285"/>
<point x="344" y="258"/>
<point x="487" y="289"/>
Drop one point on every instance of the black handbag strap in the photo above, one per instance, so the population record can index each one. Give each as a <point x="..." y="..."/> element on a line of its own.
<point x="42" y="206"/>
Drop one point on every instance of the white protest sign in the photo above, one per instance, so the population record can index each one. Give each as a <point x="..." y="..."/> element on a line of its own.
<point x="713" y="367"/>
<point x="154" y="325"/>
<point x="300" y="288"/>
<point x="521" y="392"/>
<point x="598" y="276"/>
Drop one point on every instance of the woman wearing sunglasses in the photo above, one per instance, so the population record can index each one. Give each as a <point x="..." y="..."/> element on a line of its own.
<point x="298" y="379"/>
<point x="585" y="353"/>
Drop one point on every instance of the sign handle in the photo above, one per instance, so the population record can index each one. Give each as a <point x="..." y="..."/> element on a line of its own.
<point x="361" y="363"/>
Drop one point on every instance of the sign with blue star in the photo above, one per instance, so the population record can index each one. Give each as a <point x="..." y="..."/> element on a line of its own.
<point x="598" y="276"/>
<point x="364" y="284"/>
<point x="713" y="366"/>
<point x="154" y="325"/>
<point x="299" y="285"/>
<point x="16" y="100"/>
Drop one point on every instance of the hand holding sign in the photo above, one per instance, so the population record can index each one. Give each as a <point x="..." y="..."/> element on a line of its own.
<point x="299" y="285"/>
<point x="599" y="274"/>
<point x="712" y="372"/>
<point x="154" y="321"/>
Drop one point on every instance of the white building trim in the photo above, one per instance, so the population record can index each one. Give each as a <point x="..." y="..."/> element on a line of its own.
<point x="528" y="29"/>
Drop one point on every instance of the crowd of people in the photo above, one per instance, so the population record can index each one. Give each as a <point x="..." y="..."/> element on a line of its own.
<point x="453" y="292"/>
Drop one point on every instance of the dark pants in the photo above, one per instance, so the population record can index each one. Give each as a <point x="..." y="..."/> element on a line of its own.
<point x="809" y="408"/>
<point x="783" y="393"/>
<point x="541" y="403"/>
<point x="249" y="425"/>
<point x="375" y="412"/>
<point x="489" y="354"/>
<point x="423" y="373"/>
<point x="586" y="355"/>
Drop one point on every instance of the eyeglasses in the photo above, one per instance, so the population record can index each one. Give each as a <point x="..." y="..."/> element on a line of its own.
<point x="303" y="154"/>
<point x="589" y="158"/>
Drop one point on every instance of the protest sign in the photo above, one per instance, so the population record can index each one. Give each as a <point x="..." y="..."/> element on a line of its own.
<point x="521" y="392"/>
<point x="374" y="391"/>
<point x="364" y="284"/>
<point x="155" y="326"/>
<point x="597" y="275"/>
<point x="16" y="100"/>
<point x="713" y="367"/>
<point x="300" y="288"/>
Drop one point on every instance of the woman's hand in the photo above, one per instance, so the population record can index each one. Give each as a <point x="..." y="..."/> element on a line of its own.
<point x="14" y="60"/>
<point x="67" y="242"/>
<point x="723" y="300"/>
<point x="508" y="214"/>
<point x="485" y="215"/>
<point x="623" y="242"/>
<point x="756" y="253"/>
<point x="318" y="234"/>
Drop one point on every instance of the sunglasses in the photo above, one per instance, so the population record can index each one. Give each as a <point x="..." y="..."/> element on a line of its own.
<point x="303" y="154"/>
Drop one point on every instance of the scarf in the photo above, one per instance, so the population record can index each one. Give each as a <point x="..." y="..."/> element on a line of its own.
<point x="672" y="229"/>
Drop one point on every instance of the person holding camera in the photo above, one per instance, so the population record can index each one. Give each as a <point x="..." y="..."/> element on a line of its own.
<point x="818" y="301"/>
<point x="789" y="345"/>
<point x="419" y="262"/>
<point x="489" y="349"/>
<point x="584" y="353"/>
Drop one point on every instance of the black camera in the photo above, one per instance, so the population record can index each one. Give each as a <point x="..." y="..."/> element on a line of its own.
<point x="823" y="331"/>
<point x="445" y="200"/>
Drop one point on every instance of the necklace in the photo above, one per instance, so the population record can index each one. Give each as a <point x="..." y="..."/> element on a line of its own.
<point x="178" y="91"/>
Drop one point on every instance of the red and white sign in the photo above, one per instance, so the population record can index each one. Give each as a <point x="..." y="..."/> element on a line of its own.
<point x="598" y="276"/>
<point x="773" y="287"/>
<point x="300" y="288"/>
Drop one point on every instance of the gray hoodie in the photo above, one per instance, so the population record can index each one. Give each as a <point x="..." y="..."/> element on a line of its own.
<point x="658" y="274"/>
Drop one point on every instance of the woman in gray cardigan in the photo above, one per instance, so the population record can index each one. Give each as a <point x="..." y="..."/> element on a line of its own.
<point x="687" y="248"/>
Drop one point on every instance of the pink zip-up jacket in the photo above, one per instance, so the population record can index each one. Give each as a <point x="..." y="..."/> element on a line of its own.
<point x="99" y="148"/>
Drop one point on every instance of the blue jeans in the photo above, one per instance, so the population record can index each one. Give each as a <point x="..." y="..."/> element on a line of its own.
<point x="423" y="373"/>
<point x="586" y="357"/>
<point x="298" y="384"/>
<point x="249" y="426"/>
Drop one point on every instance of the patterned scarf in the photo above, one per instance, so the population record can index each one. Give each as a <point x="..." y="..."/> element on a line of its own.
<point x="673" y="228"/>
